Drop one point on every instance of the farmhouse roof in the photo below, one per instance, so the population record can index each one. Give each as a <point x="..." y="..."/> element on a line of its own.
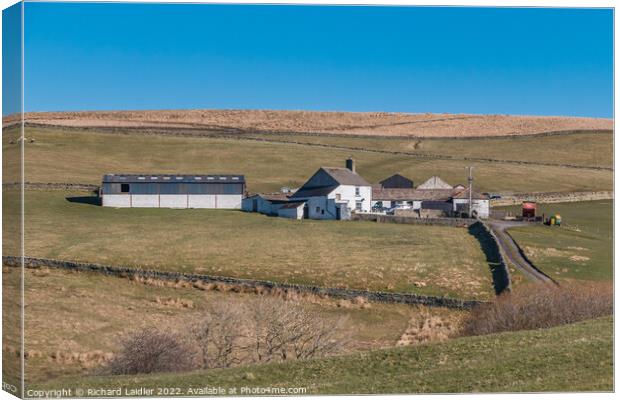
<point x="345" y="176"/>
<point x="172" y="178"/>
<point x="434" y="182"/>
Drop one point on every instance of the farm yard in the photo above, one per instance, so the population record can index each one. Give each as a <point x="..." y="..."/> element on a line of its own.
<point x="362" y="255"/>
<point x="85" y="315"/>
<point x="427" y="260"/>
<point x="580" y="249"/>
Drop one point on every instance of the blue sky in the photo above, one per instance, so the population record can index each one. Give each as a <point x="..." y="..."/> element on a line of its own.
<point x="410" y="59"/>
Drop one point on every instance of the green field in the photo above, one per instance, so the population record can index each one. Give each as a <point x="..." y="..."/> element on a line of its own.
<point x="73" y="319"/>
<point x="582" y="248"/>
<point x="575" y="357"/>
<point x="365" y="255"/>
<point x="582" y="148"/>
<point x="76" y="156"/>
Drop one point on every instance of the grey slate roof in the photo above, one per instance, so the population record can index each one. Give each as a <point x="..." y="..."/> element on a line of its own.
<point x="170" y="178"/>
<point x="345" y="176"/>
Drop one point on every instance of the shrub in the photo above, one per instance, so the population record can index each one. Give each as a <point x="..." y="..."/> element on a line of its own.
<point x="270" y="329"/>
<point x="541" y="306"/>
<point x="150" y="350"/>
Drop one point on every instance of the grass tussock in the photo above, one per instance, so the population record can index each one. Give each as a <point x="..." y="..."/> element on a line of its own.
<point x="541" y="306"/>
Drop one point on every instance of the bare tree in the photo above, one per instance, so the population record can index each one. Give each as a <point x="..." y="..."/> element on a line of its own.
<point x="221" y="336"/>
<point x="288" y="330"/>
<point x="150" y="350"/>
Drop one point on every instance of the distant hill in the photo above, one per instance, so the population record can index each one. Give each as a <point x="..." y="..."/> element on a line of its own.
<point x="342" y="123"/>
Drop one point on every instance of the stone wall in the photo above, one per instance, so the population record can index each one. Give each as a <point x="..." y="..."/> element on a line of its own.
<point x="552" y="197"/>
<point x="382" y="297"/>
<point x="455" y="222"/>
<point x="52" y="186"/>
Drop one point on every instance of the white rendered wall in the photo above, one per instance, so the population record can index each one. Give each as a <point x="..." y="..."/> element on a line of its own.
<point x="480" y="206"/>
<point x="115" y="200"/>
<point x="201" y="201"/>
<point x="347" y="193"/>
<point x="145" y="200"/>
<point x="173" y="200"/>
<point x="229" y="201"/>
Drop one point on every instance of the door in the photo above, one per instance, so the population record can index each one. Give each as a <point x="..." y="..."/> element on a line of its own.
<point x="306" y="212"/>
<point x="338" y="217"/>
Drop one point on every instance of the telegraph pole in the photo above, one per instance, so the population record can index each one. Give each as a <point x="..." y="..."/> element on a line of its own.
<point x="470" y="181"/>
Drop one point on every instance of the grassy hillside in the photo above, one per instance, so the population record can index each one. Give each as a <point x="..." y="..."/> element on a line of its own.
<point x="84" y="316"/>
<point x="355" y="254"/>
<point x="567" y="358"/>
<point x="582" y="248"/>
<point x="583" y="148"/>
<point x="69" y="156"/>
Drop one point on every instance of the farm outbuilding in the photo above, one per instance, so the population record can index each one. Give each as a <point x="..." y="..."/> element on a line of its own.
<point x="173" y="191"/>
<point x="396" y="181"/>
<point x="432" y="198"/>
<point x="293" y="210"/>
<point x="265" y="203"/>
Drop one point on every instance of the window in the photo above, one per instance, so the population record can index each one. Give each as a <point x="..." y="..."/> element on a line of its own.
<point x="338" y="196"/>
<point x="124" y="187"/>
<point x="358" y="205"/>
<point x="357" y="191"/>
<point x="318" y="210"/>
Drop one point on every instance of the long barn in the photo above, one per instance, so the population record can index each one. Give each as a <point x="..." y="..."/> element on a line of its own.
<point x="173" y="191"/>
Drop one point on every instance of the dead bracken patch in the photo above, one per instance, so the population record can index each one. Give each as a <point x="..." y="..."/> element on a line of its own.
<point x="174" y="302"/>
<point x="426" y="327"/>
<point x="344" y="123"/>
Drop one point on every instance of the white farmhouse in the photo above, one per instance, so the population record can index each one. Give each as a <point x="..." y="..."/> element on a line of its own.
<point x="333" y="193"/>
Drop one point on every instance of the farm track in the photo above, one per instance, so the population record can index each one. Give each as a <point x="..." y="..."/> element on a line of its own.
<point x="514" y="254"/>
<point x="237" y="134"/>
<point x="241" y="284"/>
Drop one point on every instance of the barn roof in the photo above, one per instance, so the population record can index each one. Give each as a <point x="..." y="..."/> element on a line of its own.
<point x="411" y="194"/>
<point x="294" y="204"/>
<point x="435" y="182"/>
<point x="169" y="178"/>
<point x="278" y="196"/>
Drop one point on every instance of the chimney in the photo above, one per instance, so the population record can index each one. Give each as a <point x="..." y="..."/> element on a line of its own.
<point x="350" y="164"/>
